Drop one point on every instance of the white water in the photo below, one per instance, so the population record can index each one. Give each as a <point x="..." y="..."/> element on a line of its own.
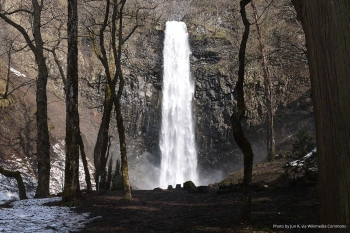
<point x="177" y="139"/>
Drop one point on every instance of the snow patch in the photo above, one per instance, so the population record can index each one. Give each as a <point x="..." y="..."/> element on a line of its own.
<point x="17" y="73"/>
<point x="32" y="216"/>
<point x="300" y="162"/>
<point x="9" y="187"/>
<point x="58" y="166"/>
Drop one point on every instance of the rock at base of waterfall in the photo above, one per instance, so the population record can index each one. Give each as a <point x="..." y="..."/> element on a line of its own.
<point x="178" y="186"/>
<point x="170" y="187"/>
<point x="158" y="189"/>
<point x="189" y="185"/>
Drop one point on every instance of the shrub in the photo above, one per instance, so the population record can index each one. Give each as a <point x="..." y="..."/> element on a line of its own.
<point x="304" y="164"/>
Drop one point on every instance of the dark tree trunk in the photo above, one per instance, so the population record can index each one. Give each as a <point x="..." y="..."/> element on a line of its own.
<point x="117" y="52"/>
<point x="123" y="154"/>
<point x="109" y="174"/>
<point x="85" y="164"/>
<point x="43" y="142"/>
<point x="71" y="182"/>
<point x="18" y="177"/>
<point x="5" y="95"/>
<point x="327" y="32"/>
<point x="236" y="118"/>
<point x="104" y="159"/>
<point x="102" y="137"/>
<point x="270" y="135"/>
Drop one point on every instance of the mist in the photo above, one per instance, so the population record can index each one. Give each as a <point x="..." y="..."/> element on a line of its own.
<point x="146" y="172"/>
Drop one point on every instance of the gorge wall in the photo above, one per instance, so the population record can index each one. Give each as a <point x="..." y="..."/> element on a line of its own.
<point x="214" y="65"/>
<point x="215" y="32"/>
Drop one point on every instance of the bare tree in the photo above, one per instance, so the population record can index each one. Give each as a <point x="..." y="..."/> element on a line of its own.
<point x="36" y="44"/>
<point x="54" y="48"/>
<point x="10" y="49"/>
<point x="108" y="43"/>
<point x="327" y="32"/>
<point x="236" y="118"/>
<point x="270" y="137"/>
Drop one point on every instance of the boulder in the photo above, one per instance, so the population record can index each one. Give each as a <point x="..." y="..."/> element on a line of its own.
<point x="189" y="185"/>
<point x="158" y="189"/>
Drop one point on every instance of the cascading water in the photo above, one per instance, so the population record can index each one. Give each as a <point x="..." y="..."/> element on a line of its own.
<point x="177" y="139"/>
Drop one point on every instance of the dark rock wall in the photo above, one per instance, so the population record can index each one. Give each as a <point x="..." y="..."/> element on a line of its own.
<point x="214" y="69"/>
<point x="214" y="66"/>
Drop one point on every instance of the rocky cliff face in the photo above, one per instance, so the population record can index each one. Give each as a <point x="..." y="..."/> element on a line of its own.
<point x="215" y="33"/>
<point x="214" y="69"/>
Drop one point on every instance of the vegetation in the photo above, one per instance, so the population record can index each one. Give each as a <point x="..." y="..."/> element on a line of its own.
<point x="236" y="119"/>
<point x="304" y="165"/>
<point x="269" y="60"/>
<point x="36" y="45"/>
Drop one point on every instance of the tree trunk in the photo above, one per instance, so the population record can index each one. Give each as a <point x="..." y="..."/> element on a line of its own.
<point x="71" y="181"/>
<point x="109" y="175"/>
<point x="270" y="137"/>
<point x="18" y="177"/>
<point x="5" y="95"/>
<point x="85" y="164"/>
<point x="102" y="137"/>
<point x="237" y="116"/>
<point x="117" y="53"/>
<point x="123" y="154"/>
<point x="327" y="31"/>
<point x="104" y="159"/>
<point x="43" y="142"/>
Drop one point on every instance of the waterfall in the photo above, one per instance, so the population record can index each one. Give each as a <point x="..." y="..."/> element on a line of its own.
<point x="177" y="137"/>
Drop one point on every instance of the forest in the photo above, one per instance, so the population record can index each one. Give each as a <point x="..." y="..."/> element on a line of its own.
<point x="174" y="116"/>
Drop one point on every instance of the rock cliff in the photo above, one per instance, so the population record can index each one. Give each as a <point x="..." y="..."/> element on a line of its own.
<point x="215" y="32"/>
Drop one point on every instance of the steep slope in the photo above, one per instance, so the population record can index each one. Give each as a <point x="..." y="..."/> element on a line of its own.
<point x="18" y="137"/>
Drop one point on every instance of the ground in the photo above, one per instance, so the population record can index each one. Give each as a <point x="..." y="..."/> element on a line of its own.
<point x="279" y="204"/>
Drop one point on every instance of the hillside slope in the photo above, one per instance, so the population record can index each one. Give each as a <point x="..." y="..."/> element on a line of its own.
<point x="18" y="137"/>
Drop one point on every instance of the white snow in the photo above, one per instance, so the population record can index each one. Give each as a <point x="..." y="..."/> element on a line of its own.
<point x="300" y="162"/>
<point x="57" y="169"/>
<point x="17" y="73"/>
<point x="9" y="188"/>
<point x="32" y="216"/>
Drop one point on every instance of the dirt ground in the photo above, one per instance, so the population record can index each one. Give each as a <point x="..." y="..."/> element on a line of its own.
<point x="181" y="211"/>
